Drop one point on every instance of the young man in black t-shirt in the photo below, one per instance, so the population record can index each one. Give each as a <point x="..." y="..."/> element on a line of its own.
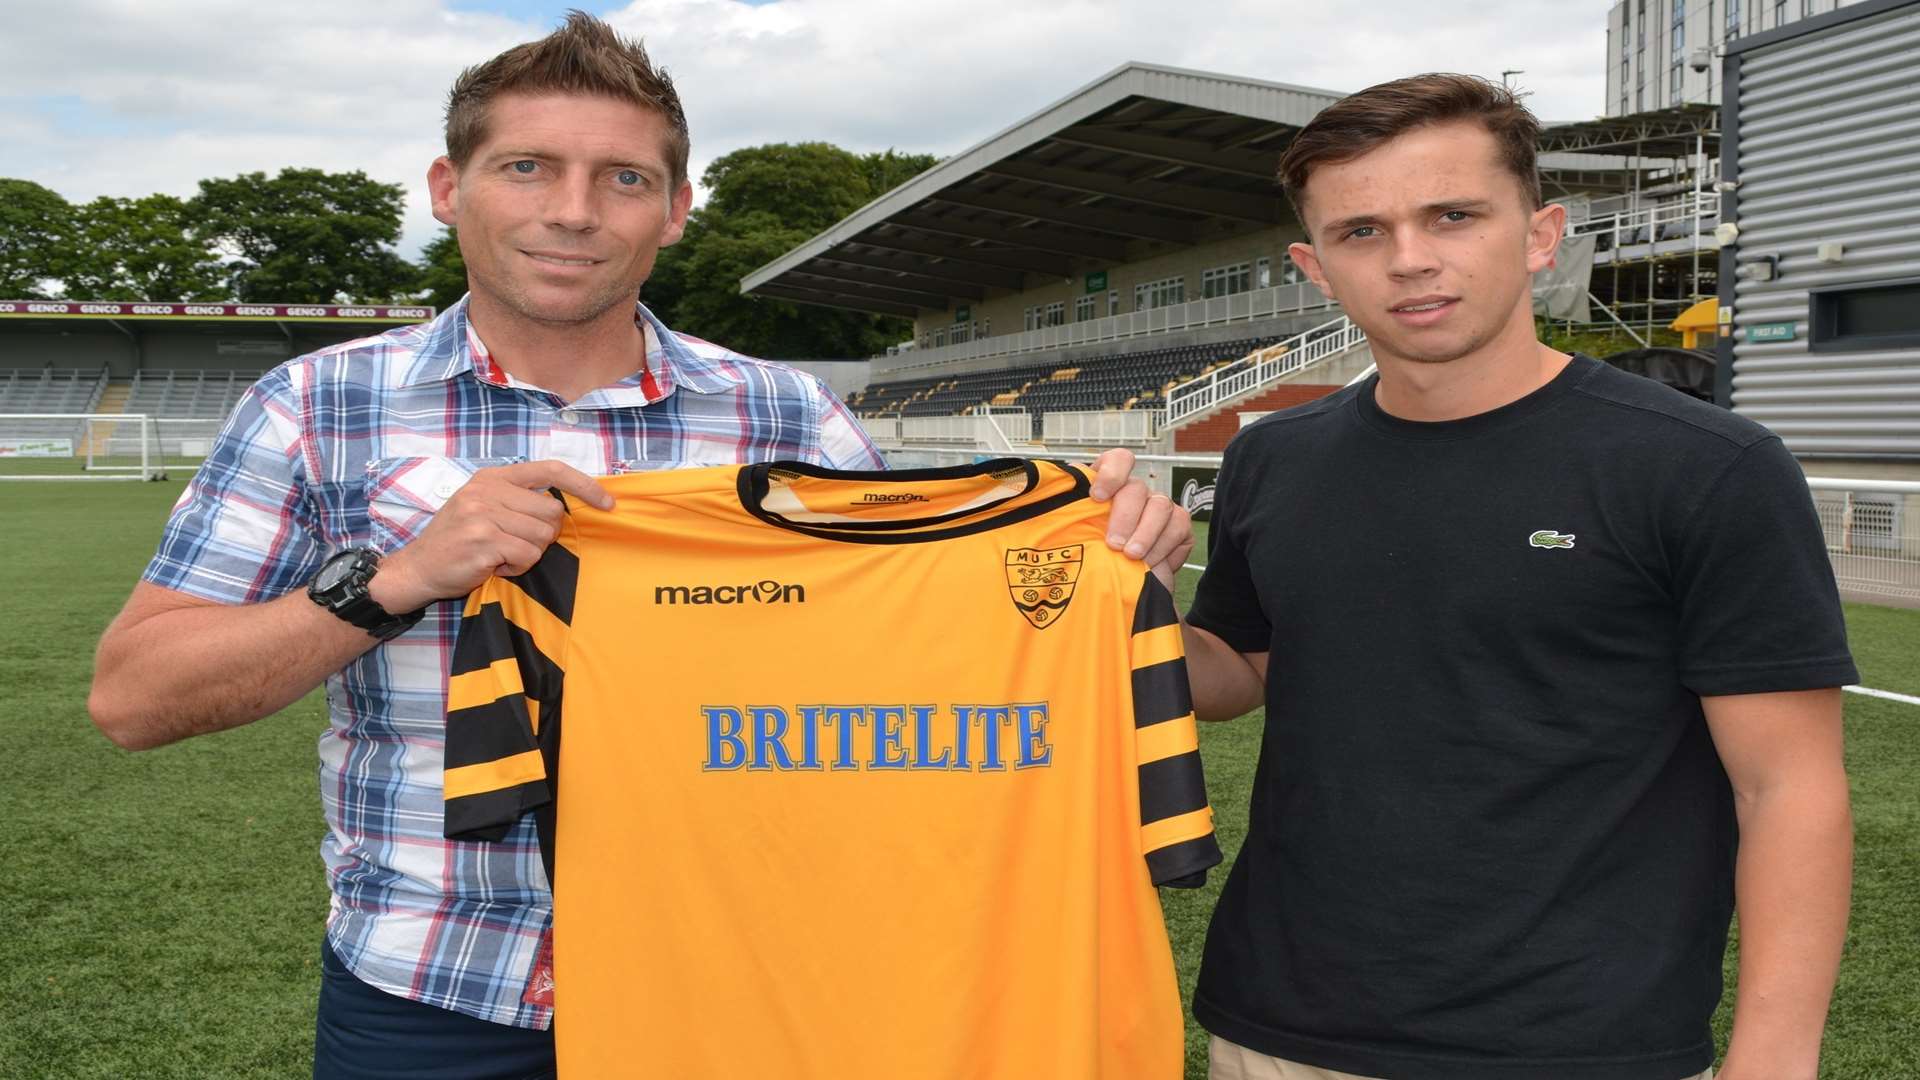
<point x="1535" y="638"/>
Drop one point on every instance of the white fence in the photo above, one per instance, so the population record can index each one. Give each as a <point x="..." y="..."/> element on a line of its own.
<point x="881" y="429"/>
<point x="1209" y="391"/>
<point x="179" y="437"/>
<point x="1686" y="218"/>
<point x="1106" y="427"/>
<point x="1873" y="535"/>
<point x="994" y="432"/>
<point x="1265" y="303"/>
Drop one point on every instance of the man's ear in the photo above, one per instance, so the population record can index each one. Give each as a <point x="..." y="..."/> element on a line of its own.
<point x="443" y="186"/>
<point x="1303" y="256"/>
<point x="1544" y="230"/>
<point x="677" y="214"/>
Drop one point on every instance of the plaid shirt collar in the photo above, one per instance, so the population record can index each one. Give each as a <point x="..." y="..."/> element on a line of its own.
<point x="449" y="349"/>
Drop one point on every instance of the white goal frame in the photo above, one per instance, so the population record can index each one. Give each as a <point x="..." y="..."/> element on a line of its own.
<point x="152" y="463"/>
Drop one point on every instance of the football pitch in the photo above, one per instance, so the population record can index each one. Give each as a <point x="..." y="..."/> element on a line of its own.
<point x="163" y="910"/>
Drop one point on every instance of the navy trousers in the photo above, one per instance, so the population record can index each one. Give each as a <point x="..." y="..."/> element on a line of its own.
<point x="363" y="1033"/>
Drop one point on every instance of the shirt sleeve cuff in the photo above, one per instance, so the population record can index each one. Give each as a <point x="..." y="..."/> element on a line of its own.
<point x="1245" y="639"/>
<point x="1772" y="678"/>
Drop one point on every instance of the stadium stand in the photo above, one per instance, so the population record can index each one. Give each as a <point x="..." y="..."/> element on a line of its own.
<point x="187" y="394"/>
<point x="1114" y="381"/>
<point x="49" y="390"/>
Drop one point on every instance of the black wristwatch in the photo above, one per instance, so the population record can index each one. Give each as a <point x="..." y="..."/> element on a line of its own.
<point x="341" y="587"/>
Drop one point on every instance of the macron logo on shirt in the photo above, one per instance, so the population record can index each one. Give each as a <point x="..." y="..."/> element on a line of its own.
<point x="764" y="592"/>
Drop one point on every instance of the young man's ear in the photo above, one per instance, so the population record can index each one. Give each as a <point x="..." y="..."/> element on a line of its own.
<point x="1544" y="230"/>
<point x="443" y="187"/>
<point x="1309" y="263"/>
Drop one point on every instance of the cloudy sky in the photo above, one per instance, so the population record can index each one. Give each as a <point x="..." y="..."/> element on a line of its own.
<point x="129" y="97"/>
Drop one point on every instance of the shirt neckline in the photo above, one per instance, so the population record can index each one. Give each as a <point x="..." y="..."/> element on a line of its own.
<point x="653" y="355"/>
<point x="1368" y="409"/>
<point x="754" y="481"/>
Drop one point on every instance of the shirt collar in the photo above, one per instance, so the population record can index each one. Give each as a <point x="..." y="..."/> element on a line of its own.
<point x="445" y="353"/>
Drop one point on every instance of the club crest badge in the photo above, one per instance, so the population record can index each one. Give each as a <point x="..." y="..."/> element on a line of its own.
<point x="1041" y="581"/>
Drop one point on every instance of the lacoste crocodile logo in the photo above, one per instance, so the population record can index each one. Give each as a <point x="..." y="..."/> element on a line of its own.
<point x="1547" y="538"/>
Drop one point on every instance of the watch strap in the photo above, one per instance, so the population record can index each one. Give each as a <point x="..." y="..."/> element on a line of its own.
<point x="349" y="599"/>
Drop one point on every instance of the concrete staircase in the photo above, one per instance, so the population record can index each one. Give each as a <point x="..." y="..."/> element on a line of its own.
<point x="112" y="400"/>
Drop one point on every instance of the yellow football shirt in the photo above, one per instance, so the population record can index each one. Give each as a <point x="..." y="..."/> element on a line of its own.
<point x="862" y="775"/>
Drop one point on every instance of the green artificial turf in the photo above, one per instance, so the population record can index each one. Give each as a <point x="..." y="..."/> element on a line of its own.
<point x="164" y="909"/>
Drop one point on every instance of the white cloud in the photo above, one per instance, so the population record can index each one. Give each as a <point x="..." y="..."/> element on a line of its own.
<point x="196" y="88"/>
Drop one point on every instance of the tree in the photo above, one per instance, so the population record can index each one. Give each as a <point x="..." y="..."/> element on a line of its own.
<point x="806" y="186"/>
<point x="34" y="223"/>
<point x="307" y="236"/>
<point x="888" y="170"/>
<point x="139" y="249"/>
<point x="443" y="271"/>
<point x="763" y="202"/>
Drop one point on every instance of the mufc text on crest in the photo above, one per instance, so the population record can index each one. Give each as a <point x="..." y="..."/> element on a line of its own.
<point x="1041" y="581"/>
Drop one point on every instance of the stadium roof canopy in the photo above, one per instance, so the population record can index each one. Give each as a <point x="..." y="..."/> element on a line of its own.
<point x="1143" y="159"/>
<point x="1676" y="132"/>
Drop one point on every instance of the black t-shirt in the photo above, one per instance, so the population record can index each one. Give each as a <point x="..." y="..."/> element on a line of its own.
<point x="1490" y="836"/>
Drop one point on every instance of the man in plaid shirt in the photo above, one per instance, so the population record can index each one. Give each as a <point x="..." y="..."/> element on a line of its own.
<point x="357" y="488"/>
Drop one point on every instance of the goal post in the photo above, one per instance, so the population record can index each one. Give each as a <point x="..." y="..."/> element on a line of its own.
<point x="80" y="446"/>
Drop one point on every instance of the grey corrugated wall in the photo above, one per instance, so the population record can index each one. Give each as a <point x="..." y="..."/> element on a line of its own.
<point x="1828" y="151"/>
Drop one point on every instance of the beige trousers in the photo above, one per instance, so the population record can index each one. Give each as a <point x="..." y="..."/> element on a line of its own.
<point x="1231" y="1061"/>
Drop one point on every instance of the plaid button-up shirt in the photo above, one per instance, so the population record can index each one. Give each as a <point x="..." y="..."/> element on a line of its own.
<point x="358" y="445"/>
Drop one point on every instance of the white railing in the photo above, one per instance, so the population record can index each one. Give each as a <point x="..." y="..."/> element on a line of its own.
<point x="1258" y="369"/>
<point x="1694" y="209"/>
<point x="881" y="428"/>
<point x="1006" y="425"/>
<point x="1107" y="427"/>
<point x="1265" y="303"/>
<point x="1873" y="535"/>
<point x="997" y="432"/>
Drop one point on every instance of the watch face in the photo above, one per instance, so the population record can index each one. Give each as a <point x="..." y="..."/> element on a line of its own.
<point x="334" y="571"/>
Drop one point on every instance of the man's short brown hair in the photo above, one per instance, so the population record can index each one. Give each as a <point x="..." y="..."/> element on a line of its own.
<point x="584" y="56"/>
<point x="1360" y="122"/>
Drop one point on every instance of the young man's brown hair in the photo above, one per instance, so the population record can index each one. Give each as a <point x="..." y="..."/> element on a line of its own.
<point x="1359" y="122"/>
<point x="584" y="56"/>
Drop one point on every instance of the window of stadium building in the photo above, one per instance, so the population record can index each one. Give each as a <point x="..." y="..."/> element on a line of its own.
<point x="1733" y="19"/>
<point x="1044" y="315"/>
<point x="1083" y="308"/>
<point x="1870" y="317"/>
<point x="1226" y="280"/>
<point x="1153" y="294"/>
